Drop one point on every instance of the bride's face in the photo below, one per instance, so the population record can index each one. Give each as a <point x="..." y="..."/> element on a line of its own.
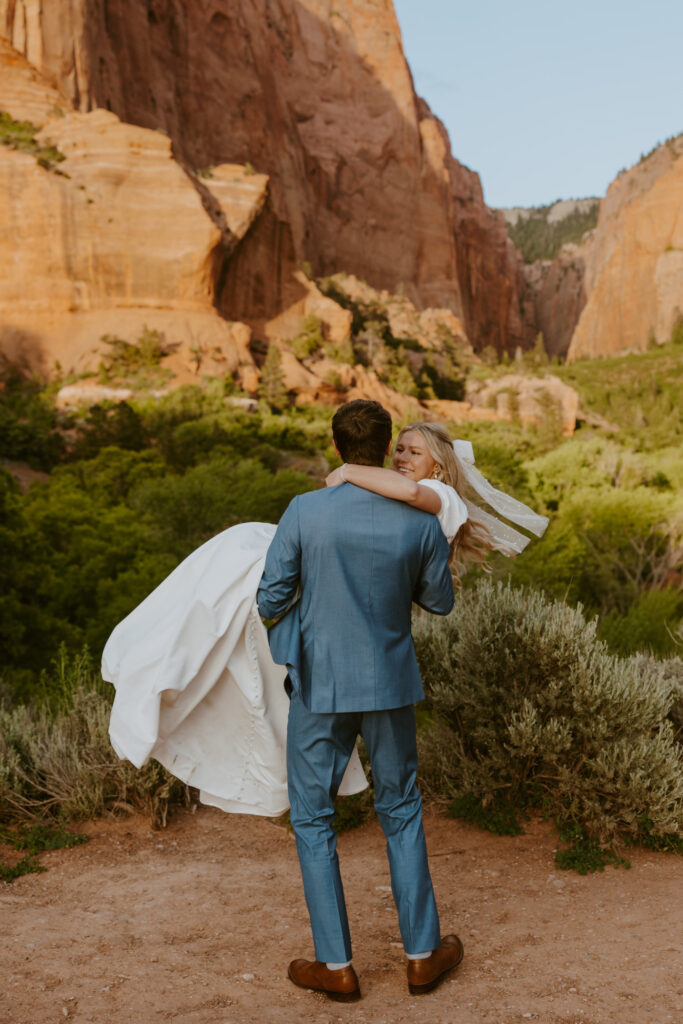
<point x="411" y="457"/>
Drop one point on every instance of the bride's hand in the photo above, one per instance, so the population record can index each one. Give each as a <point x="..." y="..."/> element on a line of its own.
<point x="334" y="478"/>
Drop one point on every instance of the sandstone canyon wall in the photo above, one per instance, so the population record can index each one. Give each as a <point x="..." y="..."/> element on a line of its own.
<point x="634" y="269"/>
<point x="315" y="94"/>
<point x="621" y="287"/>
<point x="103" y="232"/>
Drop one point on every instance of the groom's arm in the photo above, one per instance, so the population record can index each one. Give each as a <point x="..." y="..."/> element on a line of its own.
<point x="282" y="570"/>
<point x="434" y="588"/>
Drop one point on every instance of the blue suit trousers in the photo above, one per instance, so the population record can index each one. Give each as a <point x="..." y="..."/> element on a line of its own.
<point x="318" y="750"/>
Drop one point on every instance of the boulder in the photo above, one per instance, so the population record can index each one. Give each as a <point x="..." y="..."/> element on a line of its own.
<point x="527" y="399"/>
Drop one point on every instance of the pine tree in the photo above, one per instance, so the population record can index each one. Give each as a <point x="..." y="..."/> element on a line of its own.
<point x="272" y="384"/>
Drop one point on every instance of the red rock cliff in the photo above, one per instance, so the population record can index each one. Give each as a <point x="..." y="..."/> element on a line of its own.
<point x="317" y="95"/>
<point x="634" y="269"/>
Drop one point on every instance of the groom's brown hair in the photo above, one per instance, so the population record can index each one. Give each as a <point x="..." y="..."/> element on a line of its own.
<point x="362" y="432"/>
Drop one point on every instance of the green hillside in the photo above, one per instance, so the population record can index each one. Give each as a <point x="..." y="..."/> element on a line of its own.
<point x="539" y="238"/>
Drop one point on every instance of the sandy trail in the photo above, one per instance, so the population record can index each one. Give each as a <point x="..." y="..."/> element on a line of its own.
<point x="196" y="925"/>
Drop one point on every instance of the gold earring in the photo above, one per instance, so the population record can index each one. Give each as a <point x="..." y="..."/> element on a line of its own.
<point x="436" y="471"/>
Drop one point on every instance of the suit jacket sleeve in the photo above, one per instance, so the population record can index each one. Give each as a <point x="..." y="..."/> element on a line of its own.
<point x="434" y="588"/>
<point x="282" y="570"/>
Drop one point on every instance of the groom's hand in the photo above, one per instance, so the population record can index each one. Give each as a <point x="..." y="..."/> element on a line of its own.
<point x="269" y="622"/>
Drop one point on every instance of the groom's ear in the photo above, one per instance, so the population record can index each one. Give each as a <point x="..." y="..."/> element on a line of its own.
<point x="388" y="451"/>
<point x="337" y="450"/>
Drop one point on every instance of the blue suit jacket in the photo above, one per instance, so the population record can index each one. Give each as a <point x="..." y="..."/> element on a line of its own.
<point x="360" y="560"/>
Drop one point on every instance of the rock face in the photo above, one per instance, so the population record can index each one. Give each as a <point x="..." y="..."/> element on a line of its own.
<point x="556" y="295"/>
<point x="426" y="326"/>
<point x="336" y="321"/>
<point x="31" y="96"/>
<point x="634" y="272"/>
<point x="490" y="268"/>
<point x="114" y="238"/>
<point x="317" y="95"/>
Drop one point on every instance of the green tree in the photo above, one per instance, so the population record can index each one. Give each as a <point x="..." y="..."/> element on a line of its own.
<point x="310" y="338"/>
<point x="28" y="421"/>
<point x="272" y="384"/>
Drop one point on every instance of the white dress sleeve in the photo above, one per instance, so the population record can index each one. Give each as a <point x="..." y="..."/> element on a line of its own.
<point x="453" y="509"/>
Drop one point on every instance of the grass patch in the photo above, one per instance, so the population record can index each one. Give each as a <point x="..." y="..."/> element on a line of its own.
<point x="26" y="866"/>
<point x="21" y="136"/>
<point x="33" y="839"/>
<point x="36" y="838"/>
<point x="585" y="854"/>
<point x="637" y="393"/>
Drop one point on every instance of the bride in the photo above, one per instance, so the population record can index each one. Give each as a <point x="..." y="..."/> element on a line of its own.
<point x="196" y="686"/>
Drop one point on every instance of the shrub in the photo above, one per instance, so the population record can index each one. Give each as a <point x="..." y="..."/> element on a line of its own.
<point x="341" y="353"/>
<point x="21" y="135"/>
<point x="310" y="338"/>
<point x="56" y="759"/>
<point x="530" y="709"/>
<point x="28" y="421"/>
<point x="648" y="625"/>
<point x="442" y="377"/>
<point x="109" y="425"/>
<point x="139" y="360"/>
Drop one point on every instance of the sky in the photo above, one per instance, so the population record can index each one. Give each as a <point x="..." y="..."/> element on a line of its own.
<point x="548" y="100"/>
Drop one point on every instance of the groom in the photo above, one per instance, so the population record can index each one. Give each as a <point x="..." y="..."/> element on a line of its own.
<point x="359" y="560"/>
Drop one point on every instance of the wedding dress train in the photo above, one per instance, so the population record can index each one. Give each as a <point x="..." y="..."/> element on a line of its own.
<point x="196" y="686"/>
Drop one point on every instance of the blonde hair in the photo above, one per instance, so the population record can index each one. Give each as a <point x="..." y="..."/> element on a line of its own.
<point x="473" y="541"/>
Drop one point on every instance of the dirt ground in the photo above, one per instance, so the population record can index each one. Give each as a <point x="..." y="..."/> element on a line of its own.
<point x="196" y="924"/>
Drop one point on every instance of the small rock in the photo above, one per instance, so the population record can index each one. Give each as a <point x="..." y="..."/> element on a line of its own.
<point x="248" y="977"/>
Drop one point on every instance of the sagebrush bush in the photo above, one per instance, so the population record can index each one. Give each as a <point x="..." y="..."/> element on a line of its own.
<point x="530" y="709"/>
<point x="56" y="758"/>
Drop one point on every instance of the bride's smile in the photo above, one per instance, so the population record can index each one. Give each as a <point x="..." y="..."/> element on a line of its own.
<point x="411" y="457"/>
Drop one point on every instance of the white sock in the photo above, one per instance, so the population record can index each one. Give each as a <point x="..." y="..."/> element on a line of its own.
<point x="416" y="956"/>
<point x="337" y="967"/>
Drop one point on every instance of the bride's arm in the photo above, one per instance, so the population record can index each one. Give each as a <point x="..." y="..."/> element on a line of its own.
<point x="388" y="483"/>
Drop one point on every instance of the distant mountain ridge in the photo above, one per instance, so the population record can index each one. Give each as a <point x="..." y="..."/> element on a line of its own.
<point x="539" y="232"/>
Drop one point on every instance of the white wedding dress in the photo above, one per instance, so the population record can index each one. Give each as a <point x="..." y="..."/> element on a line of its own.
<point x="196" y="686"/>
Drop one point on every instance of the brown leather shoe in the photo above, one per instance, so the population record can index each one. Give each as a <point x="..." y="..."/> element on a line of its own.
<point x="424" y="975"/>
<point x="341" y="985"/>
